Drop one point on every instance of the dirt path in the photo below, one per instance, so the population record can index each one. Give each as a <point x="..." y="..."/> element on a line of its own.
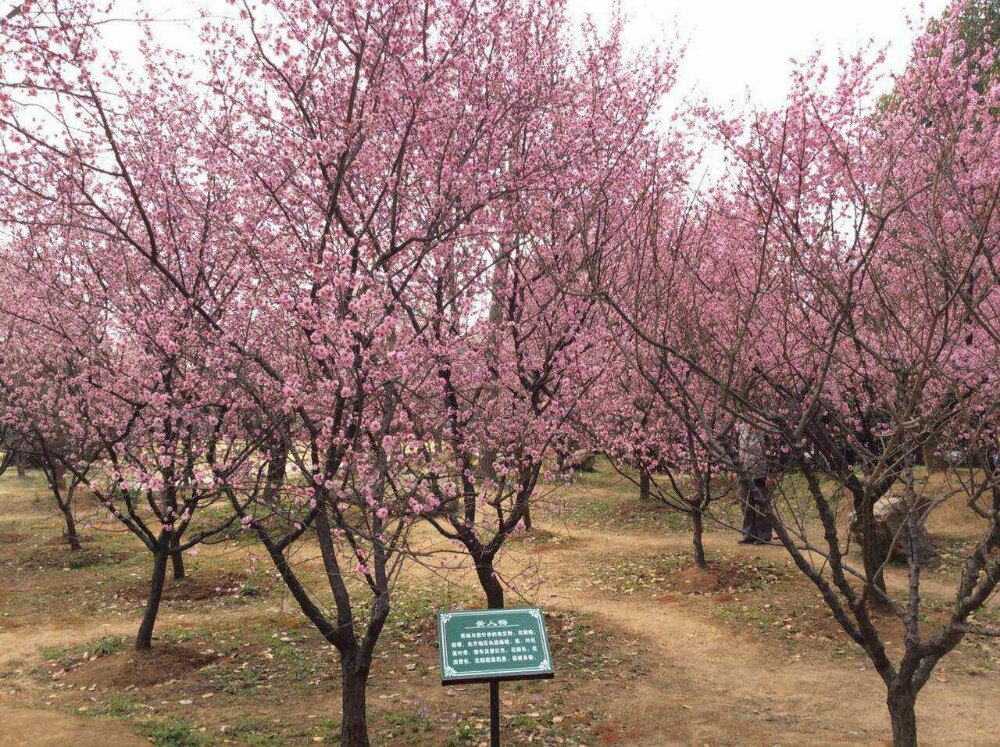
<point x="25" y="642"/>
<point x="23" y="726"/>
<point x="708" y="685"/>
<point x="896" y="577"/>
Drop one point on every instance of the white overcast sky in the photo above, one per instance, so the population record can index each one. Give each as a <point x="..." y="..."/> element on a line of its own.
<point x="735" y="47"/>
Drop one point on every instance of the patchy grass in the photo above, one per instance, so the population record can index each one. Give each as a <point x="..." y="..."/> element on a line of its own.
<point x="121" y="706"/>
<point x="409" y="724"/>
<point x="172" y="734"/>
<point x="255" y="672"/>
<point x="674" y="571"/>
<point x="267" y="680"/>
<point x="605" y="497"/>
<point x="258" y="730"/>
<point x="585" y="650"/>
<point x="106" y="645"/>
<point x="539" y="540"/>
<point x="789" y="612"/>
<point x="950" y="556"/>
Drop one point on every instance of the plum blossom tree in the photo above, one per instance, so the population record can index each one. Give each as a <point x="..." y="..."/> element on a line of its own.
<point x="46" y="445"/>
<point x="283" y="215"/>
<point x="358" y="265"/>
<point x="513" y="337"/>
<point x="107" y="388"/>
<point x="653" y="414"/>
<point x="681" y="459"/>
<point x="409" y="119"/>
<point x="37" y="383"/>
<point x="857" y="324"/>
<point x="505" y="388"/>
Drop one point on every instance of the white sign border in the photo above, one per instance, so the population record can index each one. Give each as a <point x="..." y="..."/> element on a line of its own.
<point x="449" y="672"/>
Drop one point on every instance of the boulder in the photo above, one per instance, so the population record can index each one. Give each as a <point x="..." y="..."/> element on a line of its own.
<point x="890" y="517"/>
<point x="581" y="461"/>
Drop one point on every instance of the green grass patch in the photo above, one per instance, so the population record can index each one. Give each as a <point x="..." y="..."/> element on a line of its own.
<point x="104" y="646"/>
<point x="174" y="733"/>
<point x="122" y="706"/>
<point x="409" y="724"/>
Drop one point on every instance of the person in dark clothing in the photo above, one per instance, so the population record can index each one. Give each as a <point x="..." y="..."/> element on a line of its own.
<point x="755" y="492"/>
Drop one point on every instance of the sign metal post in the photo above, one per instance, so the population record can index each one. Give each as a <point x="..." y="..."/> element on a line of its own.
<point x="495" y="713"/>
<point x="491" y="646"/>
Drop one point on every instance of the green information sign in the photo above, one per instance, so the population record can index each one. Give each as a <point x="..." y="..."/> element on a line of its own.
<point x="489" y="645"/>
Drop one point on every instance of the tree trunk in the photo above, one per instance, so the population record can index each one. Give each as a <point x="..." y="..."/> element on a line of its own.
<point x="72" y="537"/>
<point x="644" y="486"/>
<point x="59" y="475"/>
<point x="872" y="553"/>
<point x="902" y="712"/>
<point x="527" y="517"/>
<point x="490" y="583"/>
<point x="144" y="640"/>
<point x="354" y="722"/>
<point x="697" y="532"/>
<point x="22" y="470"/>
<point x="176" y="558"/>
<point x="874" y="558"/>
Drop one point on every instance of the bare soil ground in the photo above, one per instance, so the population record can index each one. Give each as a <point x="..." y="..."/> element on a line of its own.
<point x="649" y="650"/>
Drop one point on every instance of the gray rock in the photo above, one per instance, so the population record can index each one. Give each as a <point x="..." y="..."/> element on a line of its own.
<point x="890" y="512"/>
<point x="582" y="461"/>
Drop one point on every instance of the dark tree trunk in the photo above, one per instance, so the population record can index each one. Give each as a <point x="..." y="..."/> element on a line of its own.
<point x="527" y="517"/>
<point x="55" y="474"/>
<point x="490" y="583"/>
<point x="697" y="532"/>
<point x="354" y="722"/>
<point x="144" y="640"/>
<point x="644" y="486"/>
<point x="19" y="463"/>
<point x="874" y="559"/>
<point x="873" y="554"/>
<point x="176" y="559"/>
<point x="71" y="536"/>
<point x="276" y="465"/>
<point x="902" y="712"/>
